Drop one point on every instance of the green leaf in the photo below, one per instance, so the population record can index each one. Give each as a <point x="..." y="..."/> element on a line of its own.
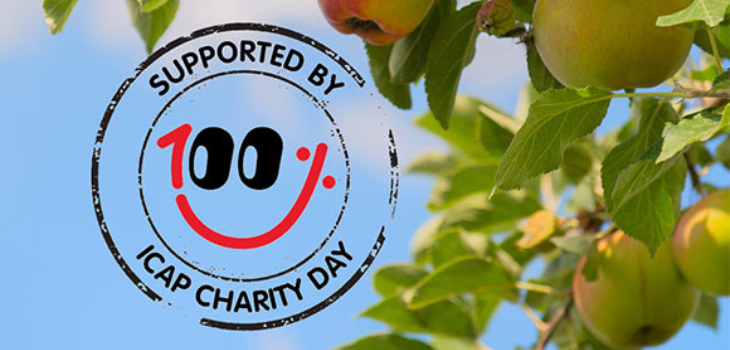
<point x="652" y="114"/>
<point x="463" y="182"/>
<point x="444" y="318"/>
<point x="386" y="342"/>
<point x="409" y="56"/>
<point x="446" y="343"/>
<point x="151" y="5"/>
<point x="722" y="38"/>
<point x="485" y="306"/>
<point x="584" y="197"/>
<point x="723" y="153"/>
<point x="494" y="133"/>
<point x="151" y="25"/>
<point x="643" y="197"/>
<point x="721" y="82"/>
<point x="433" y="163"/>
<point x="390" y="279"/>
<point x="574" y="244"/>
<point x="557" y="119"/>
<point x="398" y="94"/>
<point x="423" y="240"/>
<point x="707" y="311"/>
<point x="563" y="265"/>
<point x="711" y="12"/>
<point x="503" y="121"/>
<point x="466" y="132"/>
<point x="647" y="199"/>
<point x="577" y="161"/>
<point x="56" y="13"/>
<point x="452" y="49"/>
<point x="458" y="277"/>
<point x="523" y="10"/>
<point x="540" y="76"/>
<point x="479" y="213"/>
<point x="511" y="256"/>
<point x="455" y="243"/>
<point x="698" y="127"/>
<point x="707" y="74"/>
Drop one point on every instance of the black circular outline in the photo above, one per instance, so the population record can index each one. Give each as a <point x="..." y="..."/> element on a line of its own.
<point x="317" y="104"/>
<point x="96" y="157"/>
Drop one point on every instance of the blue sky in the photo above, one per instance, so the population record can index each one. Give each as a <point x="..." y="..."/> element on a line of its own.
<point x="59" y="286"/>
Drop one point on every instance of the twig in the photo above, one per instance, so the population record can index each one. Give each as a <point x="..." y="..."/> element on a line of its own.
<point x="693" y="175"/>
<point x="553" y="324"/>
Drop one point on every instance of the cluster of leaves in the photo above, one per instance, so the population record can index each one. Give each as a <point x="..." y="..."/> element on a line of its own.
<point x="150" y="17"/>
<point x="498" y="188"/>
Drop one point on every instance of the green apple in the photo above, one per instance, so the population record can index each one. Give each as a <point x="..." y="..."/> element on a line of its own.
<point x="702" y="243"/>
<point x="636" y="300"/>
<point x="379" y="22"/>
<point x="610" y="44"/>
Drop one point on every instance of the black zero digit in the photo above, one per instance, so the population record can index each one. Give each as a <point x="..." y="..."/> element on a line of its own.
<point x="218" y="145"/>
<point x="269" y="148"/>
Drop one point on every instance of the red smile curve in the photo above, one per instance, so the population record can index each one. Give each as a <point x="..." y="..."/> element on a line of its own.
<point x="269" y="236"/>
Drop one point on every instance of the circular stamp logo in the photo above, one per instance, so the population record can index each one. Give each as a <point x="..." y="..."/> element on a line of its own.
<point x="244" y="175"/>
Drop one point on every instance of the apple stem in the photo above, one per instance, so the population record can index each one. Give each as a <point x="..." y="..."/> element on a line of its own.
<point x="715" y="51"/>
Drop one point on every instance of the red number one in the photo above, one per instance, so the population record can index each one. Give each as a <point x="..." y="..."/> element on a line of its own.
<point x="178" y="138"/>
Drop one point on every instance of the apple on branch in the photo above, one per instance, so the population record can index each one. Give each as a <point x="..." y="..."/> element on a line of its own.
<point x="636" y="300"/>
<point x="702" y="244"/>
<point x="378" y="22"/>
<point x="610" y="44"/>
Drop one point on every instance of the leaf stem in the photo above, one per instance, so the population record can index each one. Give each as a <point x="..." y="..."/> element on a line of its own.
<point x="715" y="51"/>
<point x="534" y="287"/>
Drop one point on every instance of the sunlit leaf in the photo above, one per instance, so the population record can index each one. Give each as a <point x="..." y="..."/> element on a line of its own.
<point x="459" y="277"/>
<point x="642" y="197"/>
<point x="698" y="127"/>
<point x="151" y="25"/>
<point x="452" y="49"/>
<point x="56" y="13"/>
<point x="711" y="12"/>
<point x="409" y="56"/>
<point x="557" y="119"/>
<point x="390" y="279"/>
<point x="444" y="317"/>
<point x="398" y="94"/>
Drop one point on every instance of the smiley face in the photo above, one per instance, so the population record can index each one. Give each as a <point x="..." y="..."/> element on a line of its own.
<point x="178" y="138"/>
